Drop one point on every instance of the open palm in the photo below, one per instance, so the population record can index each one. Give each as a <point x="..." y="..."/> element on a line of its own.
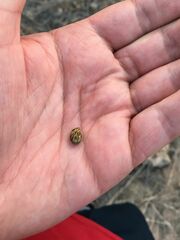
<point x="114" y="75"/>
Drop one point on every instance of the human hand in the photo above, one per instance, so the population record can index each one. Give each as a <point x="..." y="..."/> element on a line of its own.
<point x="115" y="75"/>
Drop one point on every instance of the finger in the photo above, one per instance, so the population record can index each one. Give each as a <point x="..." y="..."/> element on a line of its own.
<point x="155" y="86"/>
<point x="125" y="22"/>
<point x="155" y="127"/>
<point x="10" y="12"/>
<point x="152" y="51"/>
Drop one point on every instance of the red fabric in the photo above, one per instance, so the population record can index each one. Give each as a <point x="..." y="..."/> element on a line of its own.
<point x="76" y="228"/>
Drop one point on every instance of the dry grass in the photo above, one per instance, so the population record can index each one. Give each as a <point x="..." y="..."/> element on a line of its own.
<point x="155" y="191"/>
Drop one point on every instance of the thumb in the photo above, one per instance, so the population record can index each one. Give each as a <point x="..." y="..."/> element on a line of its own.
<point x="10" y="12"/>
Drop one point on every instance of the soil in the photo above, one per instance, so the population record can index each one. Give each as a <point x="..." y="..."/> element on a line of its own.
<point x="155" y="189"/>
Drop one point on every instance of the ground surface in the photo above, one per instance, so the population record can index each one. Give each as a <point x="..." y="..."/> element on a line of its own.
<point x="155" y="185"/>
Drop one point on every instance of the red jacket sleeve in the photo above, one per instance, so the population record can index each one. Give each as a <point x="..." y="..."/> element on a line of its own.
<point x="76" y="228"/>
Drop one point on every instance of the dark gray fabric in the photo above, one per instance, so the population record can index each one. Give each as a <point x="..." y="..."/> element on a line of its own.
<point x="125" y="220"/>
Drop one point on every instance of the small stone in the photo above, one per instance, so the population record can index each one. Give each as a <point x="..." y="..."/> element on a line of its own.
<point x="94" y="6"/>
<point x="160" y="159"/>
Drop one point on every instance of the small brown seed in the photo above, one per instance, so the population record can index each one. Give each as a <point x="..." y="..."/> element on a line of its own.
<point x="76" y="136"/>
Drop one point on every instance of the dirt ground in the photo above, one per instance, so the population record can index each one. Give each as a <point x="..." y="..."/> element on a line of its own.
<point x="153" y="186"/>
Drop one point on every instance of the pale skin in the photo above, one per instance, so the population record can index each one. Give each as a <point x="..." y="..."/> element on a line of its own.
<point x="116" y="75"/>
